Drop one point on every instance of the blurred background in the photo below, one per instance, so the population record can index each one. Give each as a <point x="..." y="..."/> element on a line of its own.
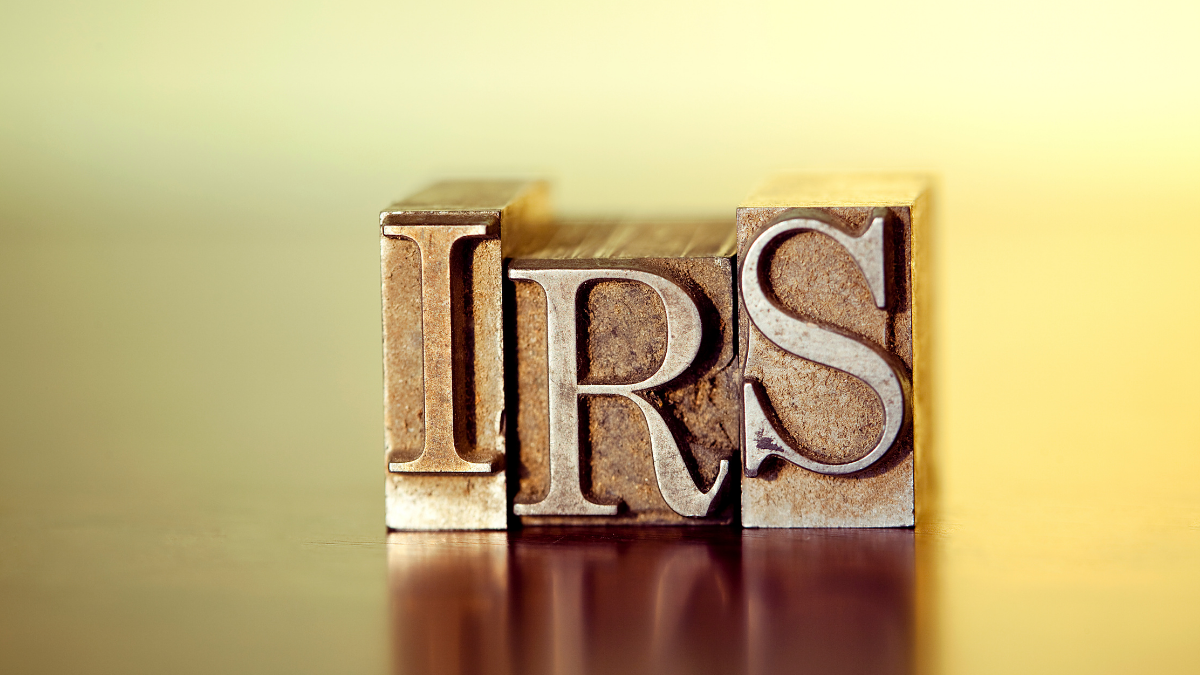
<point x="190" y="424"/>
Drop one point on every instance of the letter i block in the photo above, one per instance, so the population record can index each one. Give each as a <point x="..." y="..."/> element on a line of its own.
<point x="832" y="277"/>
<point x="443" y="346"/>
<point x="626" y="375"/>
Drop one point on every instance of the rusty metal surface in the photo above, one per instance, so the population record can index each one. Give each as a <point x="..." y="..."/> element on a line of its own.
<point x="561" y="283"/>
<point x="818" y="342"/>
<point x="439" y="269"/>
<point x="662" y="328"/>
<point x="443" y="352"/>
<point x="822" y="416"/>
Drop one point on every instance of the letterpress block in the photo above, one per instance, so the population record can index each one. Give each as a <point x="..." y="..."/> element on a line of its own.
<point x="626" y="389"/>
<point x="833" y="323"/>
<point x="444" y="421"/>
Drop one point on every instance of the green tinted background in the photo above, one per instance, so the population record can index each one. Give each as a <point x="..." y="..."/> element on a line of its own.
<point x="190" y="426"/>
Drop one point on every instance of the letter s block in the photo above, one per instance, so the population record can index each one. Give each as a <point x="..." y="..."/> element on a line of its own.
<point x="834" y="329"/>
<point x="443" y="346"/>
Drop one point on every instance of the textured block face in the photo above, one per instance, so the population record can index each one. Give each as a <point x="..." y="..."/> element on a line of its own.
<point x="621" y="419"/>
<point x="827" y="313"/>
<point x="444" y="353"/>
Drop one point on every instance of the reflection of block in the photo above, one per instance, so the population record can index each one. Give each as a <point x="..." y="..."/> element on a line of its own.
<point x="561" y="600"/>
<point x="450" y="602"/>
<point x="443" y="351"/>
<point x="837" y="601"/>
<point x="832" y="322"/>
<point x="641" y="425"/>
<point x="653" y="600"/>
<point x="628" y="600"/>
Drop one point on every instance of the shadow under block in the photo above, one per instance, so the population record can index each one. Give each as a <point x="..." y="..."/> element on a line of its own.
<point x="626" y="375"/>
<point x="833" y="331"/>
<point x="443" y="346"/>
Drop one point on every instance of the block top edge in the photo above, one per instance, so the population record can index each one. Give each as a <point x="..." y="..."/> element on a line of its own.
<point x="629" y="238"/>
<point x="467" y="195"/>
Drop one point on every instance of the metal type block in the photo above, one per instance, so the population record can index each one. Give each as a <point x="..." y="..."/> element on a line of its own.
<point x="833" y="316"/>
<point x="444" y="421"/>
<point x="626" y="374"/>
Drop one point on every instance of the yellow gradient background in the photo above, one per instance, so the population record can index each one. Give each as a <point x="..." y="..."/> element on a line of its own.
<point x="189" y="271"/>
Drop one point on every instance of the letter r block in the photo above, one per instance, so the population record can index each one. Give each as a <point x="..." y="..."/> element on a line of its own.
<point x="834" y="332"/>
<point x="626" y="382"/>
<point x="443" y="345"/>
